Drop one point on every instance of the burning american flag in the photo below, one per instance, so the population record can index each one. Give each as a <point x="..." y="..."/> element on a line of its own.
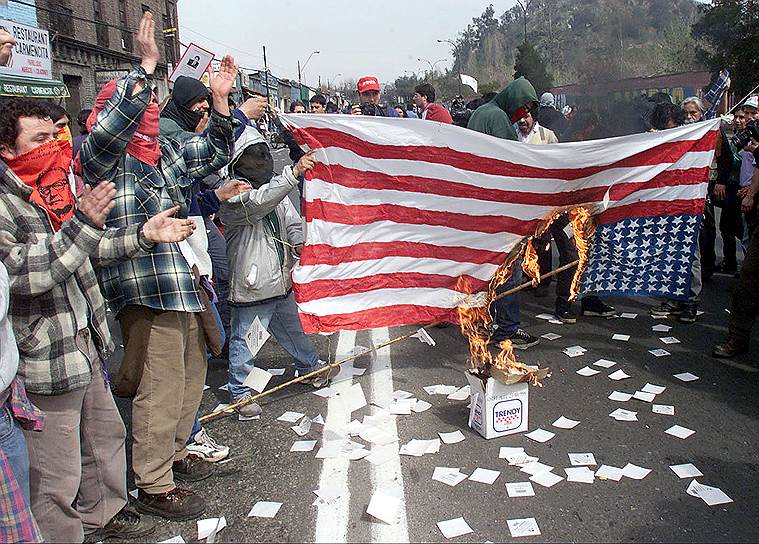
<point x="408" y="220"/>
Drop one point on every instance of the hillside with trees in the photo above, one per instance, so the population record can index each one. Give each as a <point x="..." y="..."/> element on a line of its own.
<point x="561" y="42"/>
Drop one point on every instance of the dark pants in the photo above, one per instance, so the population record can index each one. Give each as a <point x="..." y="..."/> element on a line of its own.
<point x="731" y="229"/>
<point x="567" y="254"/>
<point x="217" y="249"/>
<point x="505" y="311"/>
<point x="707" y="237"/>
<point x="745" y="305"/>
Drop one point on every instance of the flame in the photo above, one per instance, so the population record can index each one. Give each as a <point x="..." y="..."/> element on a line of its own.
<point x="583" y="227"/>
<point x="530" y="264"/>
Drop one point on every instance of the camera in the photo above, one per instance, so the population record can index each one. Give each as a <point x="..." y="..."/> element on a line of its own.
<point x="370" y="109"/>
<point x="743" y="137"/>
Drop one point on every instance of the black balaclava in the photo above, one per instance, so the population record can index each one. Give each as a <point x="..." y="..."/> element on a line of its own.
<point x="255" y="165"/>
<point x="186" y="92"/>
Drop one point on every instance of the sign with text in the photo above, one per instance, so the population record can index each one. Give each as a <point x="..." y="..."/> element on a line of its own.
<point x="194" y="63"/>
<point x="32" y="56"/>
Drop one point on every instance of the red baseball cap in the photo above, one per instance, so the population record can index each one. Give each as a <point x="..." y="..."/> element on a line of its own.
<point x="367" y="83"/>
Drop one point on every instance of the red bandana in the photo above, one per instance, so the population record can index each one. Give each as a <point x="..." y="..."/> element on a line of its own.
<point x="45" y="169"/>
<point x="144" y="145"/>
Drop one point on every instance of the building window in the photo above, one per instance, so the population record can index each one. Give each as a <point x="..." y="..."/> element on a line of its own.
<point x="100" y="29"/>
<point x="60" y="18"/>
<point x="126" y="36"/>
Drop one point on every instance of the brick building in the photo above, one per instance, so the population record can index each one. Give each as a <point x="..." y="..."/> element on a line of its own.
<point x="87" y="53"/>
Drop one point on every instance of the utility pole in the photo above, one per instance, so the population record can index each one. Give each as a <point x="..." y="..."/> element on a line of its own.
<point x="266" y="77"/>
<point x="300" y="85"/>
<point x="453" y="45"/>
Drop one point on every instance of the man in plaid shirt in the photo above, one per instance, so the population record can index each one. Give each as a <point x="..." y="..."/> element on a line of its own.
<point x="50" y="245"/>
<point x="155" y="298"/>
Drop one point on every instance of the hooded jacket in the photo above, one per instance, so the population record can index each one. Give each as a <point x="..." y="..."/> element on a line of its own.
<point x="260" y="265"/>
<point x="494" y="118"/>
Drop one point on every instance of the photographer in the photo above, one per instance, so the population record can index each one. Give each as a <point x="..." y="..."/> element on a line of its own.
<point x="368" y="89"/>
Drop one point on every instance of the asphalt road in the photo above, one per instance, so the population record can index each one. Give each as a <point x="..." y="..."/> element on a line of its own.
<point x="721" y="406"/>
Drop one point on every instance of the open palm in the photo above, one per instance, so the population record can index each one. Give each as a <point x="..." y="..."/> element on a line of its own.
<point x="222" y="83"/>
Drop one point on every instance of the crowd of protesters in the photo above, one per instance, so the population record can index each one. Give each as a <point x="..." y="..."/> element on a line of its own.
<point x="176" y="221"/>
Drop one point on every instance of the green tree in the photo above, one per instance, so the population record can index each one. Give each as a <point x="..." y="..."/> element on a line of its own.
<point x="531" y="65"/>
<point x="728" y="35"/>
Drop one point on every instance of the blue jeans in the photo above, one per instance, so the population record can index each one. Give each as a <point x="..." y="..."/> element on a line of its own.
<point x="505" y="311"/>
<point x="13" y="444"/>
<point x="280" y="317"/>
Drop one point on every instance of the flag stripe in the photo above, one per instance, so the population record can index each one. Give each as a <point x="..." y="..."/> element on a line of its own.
<point x="365" y="180"/>
<point x="664" y="153"/>
<point x="377" y="317"/>
<point x="333" y="255"/>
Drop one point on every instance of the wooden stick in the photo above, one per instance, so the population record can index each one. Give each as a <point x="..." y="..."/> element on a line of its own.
<point x="529" y="283"/>
<point x="230" y="409"/>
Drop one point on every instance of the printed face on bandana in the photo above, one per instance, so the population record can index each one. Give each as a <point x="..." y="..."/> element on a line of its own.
<point x="55" y="192"/>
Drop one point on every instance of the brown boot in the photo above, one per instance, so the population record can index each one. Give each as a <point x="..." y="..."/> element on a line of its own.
<point x="176" y="505"/>
<point x="192" y="468"/>
<point x="125" y="525"/>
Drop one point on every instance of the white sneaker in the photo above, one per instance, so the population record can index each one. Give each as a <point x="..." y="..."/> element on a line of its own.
<point x="206" y="447"/>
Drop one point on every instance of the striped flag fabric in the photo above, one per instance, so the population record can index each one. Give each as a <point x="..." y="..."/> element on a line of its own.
<point x="398" y="211"/>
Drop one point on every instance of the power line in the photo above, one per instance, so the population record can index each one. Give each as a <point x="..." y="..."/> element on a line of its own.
<point x="70" y="16"/>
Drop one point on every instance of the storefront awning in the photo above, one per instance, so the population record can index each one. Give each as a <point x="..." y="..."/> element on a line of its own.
<point x="32" y="88"/>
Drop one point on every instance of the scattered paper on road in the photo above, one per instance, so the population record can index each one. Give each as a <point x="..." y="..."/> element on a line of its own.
<point x="627" y="315"/>
<point x="581" y="475"/>
<point x="520" y="489"/>
<point x="645" y="397"/>
<point x="207" y="528"/>
<point x="659" y="352"/>
<point x="686" y="377"/>
<point x="302" y="428"/>
<point x="655" y="389"/>
<point x="540" y="435"/>
<point x="290" y="417"/>
<point x="276" y="371"/>
<point x="384" y="505"/>
<point x="688" y="470"/>
<point x="587" y="371"/>
<point x="173" y="540"/>
<point x="635" y="472"/>
<point x="485" y="476"/>
<point x="421" y="405"/>
<point x="670" y="340"/>
<point x="303" y="445"/>
<point x="624" y="415"/>
<point x="506" y="451"/>
<point x="448" y="476"/>
<point x="534" y="467"/>
<point x="574" y="351"/>
<point x="664" y="409"/>
<point x="452" y="438"/>
<point x="354" y="398"/>
<point x="418" y="448"/>
<point x="605" y="363"/>
<point x="264" y="509"/>
<point x="377" y="436"/>
<point x="256" y="336"/>
<point x="401" y="407"/>
<point x="618" y="375"/>
<point x="424" y="337"/>
<point x="710" y="495"/>
<point x="401" y="394"/>
<point x="523" y="527"/>
<point x="546" y="478"/>
<point x="608" y="472"/>
<point x="680" y="432"/>
<point x="621" y="337"/>
<point x="454" y="527"/>
<point x="582" y="459"/>
<point x="318" y="420"/>
<point x="382" y="454"/>
<point x="550" y="336"/>
<point x="620" y="396"/>
<point x="565" y="423"/>
<point x="545" y="317"/>
<point x="325" y="392"/>
<point x="460" y="394"/>
<point x="661" y="328"/>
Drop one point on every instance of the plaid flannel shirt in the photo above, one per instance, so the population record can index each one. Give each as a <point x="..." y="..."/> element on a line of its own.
<point x="16" y="520"/>
<point x="54" y="289"/>
<point x="714" y="96"/>
<point x="163" y="280"/>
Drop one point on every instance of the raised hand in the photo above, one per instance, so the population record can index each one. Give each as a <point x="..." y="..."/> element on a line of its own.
<point x="306" y="163"/>
<point x="231" y="188"/>
<point x="221" y="84"/>
<point x="97" y="203"/>
<point x="163" y="228"/>
<point x="7" y="43"/>
<point x="146" y="44"/>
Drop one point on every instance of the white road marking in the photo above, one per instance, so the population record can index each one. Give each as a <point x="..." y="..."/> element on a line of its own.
<point x="332" y="520"/>
<point x="387" y="474"/>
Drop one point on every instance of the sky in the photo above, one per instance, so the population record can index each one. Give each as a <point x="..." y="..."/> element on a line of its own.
<point x="353" y="37"/>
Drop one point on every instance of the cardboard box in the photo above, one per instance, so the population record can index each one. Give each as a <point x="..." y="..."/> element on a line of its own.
<point x="497" y="409"/>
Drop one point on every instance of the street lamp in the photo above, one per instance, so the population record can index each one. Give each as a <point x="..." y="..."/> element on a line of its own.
<point x="432" y="66"/>
<point x="330" y="81"/>
<point x="300" y="86"/>
<point x="453" y="45"/>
